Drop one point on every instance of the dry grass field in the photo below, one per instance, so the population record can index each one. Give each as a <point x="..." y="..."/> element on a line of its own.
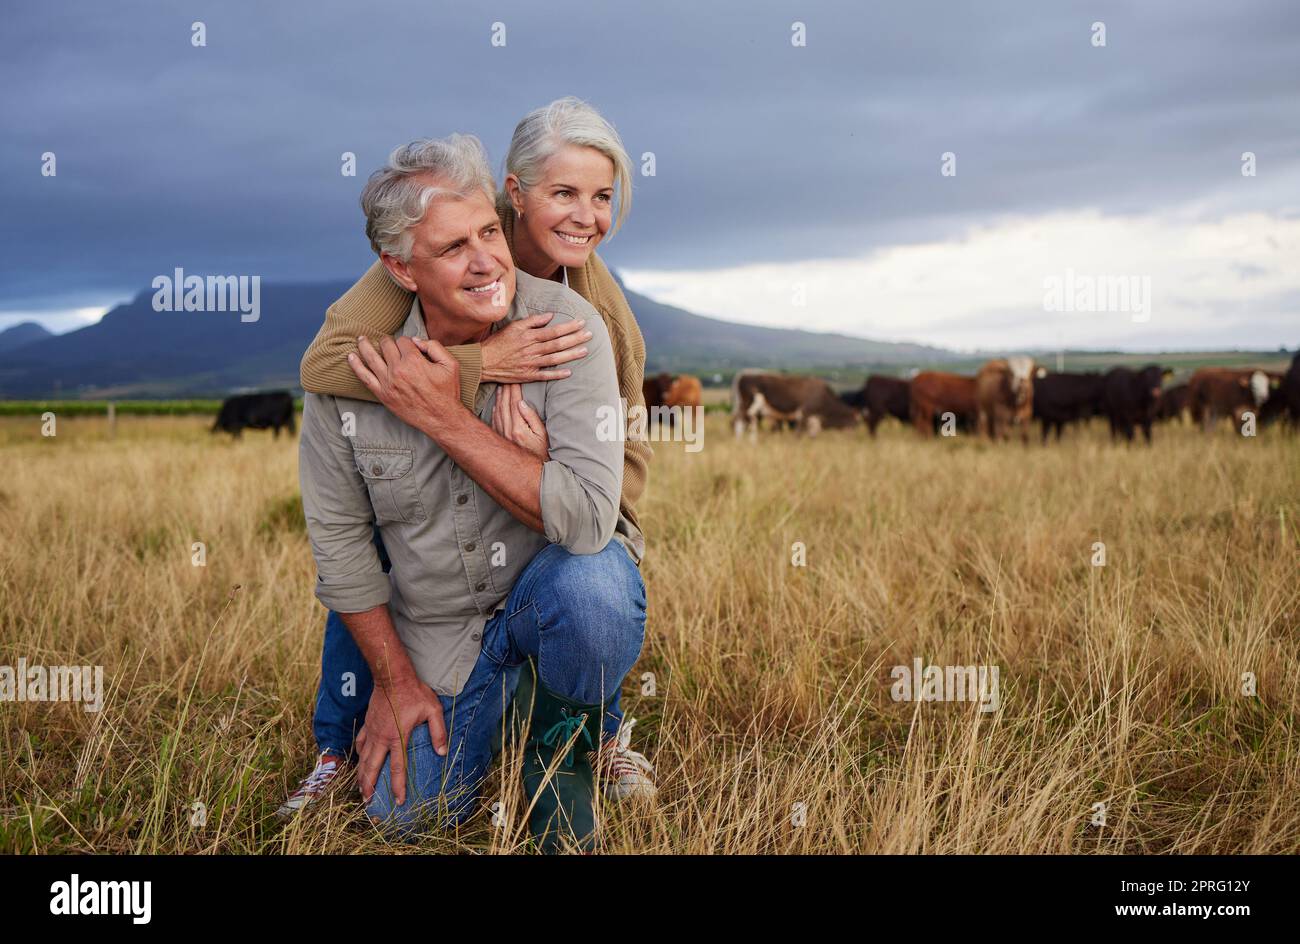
<point x="772" y="725"/>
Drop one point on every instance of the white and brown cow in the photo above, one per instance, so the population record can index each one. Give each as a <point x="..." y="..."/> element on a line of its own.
<point x="808" y="403"/>
<point x="1216" y="392"/>
<point x="1004" y="396"/>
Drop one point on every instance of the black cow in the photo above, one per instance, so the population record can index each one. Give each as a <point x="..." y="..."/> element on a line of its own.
<point x="1286" y="396"/>
<point x="1131" y="398"/>
<point x="1174" y="402"/>
<point x="655" y="390"/>
<point x="885" y="396"/>
<point x="256" y="411"/>
<point x="1061" y="399"/>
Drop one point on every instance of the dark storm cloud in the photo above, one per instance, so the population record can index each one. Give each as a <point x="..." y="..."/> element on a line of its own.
<point x="226" y="158"/>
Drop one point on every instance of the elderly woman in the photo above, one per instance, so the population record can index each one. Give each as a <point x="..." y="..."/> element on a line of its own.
<point x="565" y="172"/>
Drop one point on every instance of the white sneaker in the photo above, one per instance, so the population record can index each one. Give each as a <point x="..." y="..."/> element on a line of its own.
<point x="627" y="774"/>
<point x="328" y="767"/>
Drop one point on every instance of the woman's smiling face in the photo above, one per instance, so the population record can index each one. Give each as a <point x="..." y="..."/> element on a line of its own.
<point x="568" y="211"/>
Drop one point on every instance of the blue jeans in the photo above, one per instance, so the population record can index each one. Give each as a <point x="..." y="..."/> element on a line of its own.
<point x="346" y="683"/>
<point x="580" y="617"/>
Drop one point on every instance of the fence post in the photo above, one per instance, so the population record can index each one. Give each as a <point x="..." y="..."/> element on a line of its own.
<point x="112" y="419"/>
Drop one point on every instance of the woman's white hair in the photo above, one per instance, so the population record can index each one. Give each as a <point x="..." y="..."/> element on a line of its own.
<point x="396" y="196"/>
<point x="569" y="121"/>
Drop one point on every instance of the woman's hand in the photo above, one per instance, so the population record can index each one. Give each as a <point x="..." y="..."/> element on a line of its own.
<point x="514" y="419"/>
<point x="523" y="350"/>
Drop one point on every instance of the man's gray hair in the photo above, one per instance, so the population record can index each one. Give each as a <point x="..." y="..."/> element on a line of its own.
<point x="569" y="121"/>
<point x="396" y="196"/>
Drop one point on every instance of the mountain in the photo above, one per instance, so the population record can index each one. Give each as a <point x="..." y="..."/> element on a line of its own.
<point x="26" y="332"/>
<point x="136" y="352"/>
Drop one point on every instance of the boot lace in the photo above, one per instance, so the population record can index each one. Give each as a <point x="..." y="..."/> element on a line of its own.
<point x="563" y="730"/>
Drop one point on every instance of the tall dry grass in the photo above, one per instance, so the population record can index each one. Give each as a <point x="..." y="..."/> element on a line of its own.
<point x="1120" y="685"/>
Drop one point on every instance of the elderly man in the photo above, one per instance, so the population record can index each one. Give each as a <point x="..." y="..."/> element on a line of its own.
<point x="497" y="555"/>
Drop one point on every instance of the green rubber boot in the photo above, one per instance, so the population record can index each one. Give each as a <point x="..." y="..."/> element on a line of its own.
<point x="563" y="802"/>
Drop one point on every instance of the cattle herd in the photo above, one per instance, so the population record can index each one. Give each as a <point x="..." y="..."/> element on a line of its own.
<point x="1002" y="399"/>
<point x="1007" y="394"/>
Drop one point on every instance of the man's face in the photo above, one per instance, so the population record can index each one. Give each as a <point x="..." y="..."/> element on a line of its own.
<point x="460" y="266"/>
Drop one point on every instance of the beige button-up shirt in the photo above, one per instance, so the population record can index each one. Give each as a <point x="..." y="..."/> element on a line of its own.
<point x="455" y="552"/>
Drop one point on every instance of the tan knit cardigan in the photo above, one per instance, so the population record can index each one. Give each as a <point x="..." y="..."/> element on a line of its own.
<point x="376" y="306"/>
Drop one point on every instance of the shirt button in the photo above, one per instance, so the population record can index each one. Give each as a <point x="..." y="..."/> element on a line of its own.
<point x="461" y="499"/>
<point x="474" y="636"/>
<point x="470" y="546"/>
<point x="480" y="587"/>
<point x="376" y="469"/>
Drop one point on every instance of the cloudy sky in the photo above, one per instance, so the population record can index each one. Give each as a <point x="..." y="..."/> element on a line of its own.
<point x="794" y="184"/>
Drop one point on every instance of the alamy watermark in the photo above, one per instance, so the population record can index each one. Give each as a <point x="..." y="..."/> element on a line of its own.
<point x="81" y="683"/>
<point x="181" y="292"/>
<point x="947" y="683"/>
<point x="77" y="897"/>
<point x="1130" y="294"/>
<point x="652" y="424"/>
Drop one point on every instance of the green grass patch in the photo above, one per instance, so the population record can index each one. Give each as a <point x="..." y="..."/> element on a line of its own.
<point x="64" y="408"/>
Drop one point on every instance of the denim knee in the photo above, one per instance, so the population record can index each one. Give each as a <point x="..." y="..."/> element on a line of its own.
<point x="603" y="601"/>
<point x="439" y="795"/>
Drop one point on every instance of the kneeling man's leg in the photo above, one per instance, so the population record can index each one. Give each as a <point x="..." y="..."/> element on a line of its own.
<point x="442" y="791"/>
<point x="582" y="618"/>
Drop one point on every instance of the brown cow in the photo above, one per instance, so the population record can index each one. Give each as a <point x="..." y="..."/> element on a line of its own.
<point x="665" y="391"/>
<point x="808" y="402"/>
<point x="934" y="394"/>
<point x="685" y="391"/>
<point x="1215" y="392"/>
<point x="1004" y="396"/>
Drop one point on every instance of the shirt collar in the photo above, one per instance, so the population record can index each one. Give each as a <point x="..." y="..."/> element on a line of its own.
<point x="414" y="327"/>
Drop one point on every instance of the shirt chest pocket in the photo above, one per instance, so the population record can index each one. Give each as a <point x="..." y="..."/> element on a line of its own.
<point x="393" y="491"/>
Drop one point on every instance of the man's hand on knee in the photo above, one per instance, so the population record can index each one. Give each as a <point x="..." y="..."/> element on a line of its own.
<point x="394" y="712"/>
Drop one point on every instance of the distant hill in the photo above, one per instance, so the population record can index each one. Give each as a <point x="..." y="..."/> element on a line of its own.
<point x="676" y="340"/>
<point x="136" y="352"/>
<point x="26" y="332"/>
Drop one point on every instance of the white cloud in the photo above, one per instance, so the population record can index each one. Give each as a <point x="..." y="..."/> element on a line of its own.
<point x="58" y="320"/>
<point x="1225" y="282"/>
